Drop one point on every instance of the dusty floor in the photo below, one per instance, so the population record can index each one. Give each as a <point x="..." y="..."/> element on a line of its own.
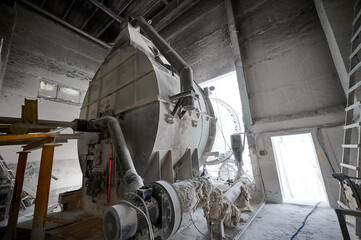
<point x="280" y="221"/>
<point x="273" y="221"/>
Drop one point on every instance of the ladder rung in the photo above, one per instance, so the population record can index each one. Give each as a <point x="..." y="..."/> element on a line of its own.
<point x="355" y="105"/>
<point x="341" y="204"/>
<point x="357" y="17"/>
<point x="354" y="87"/>
<point x="354" y="69"/>
<point x="350" y="145"/>
<point x="356" y="34"/>
<point x="349" y="166"/>
<point x="351" y="125"/>
<point x="355" y="51"/>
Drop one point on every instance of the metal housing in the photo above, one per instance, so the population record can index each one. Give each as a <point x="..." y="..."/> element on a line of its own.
<point x="134" y="84"/>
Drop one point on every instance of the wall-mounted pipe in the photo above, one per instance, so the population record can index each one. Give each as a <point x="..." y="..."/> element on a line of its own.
<point x="130" y="175"/>
<point x="183" y="69"/>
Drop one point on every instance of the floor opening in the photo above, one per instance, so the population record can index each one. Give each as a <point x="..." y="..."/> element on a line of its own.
<point x="298" y="169"/>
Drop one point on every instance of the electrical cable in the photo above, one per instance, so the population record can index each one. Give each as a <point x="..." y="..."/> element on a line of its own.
<point x="356" y="178"/>
<point x="145" y="207"/>
<point x="151" y="237"/>
<point x="304" y="221"/>
<point x="196" y="226"/>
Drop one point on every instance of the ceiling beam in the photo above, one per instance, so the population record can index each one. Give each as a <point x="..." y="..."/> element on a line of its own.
<point x="68" y="10"/>
<point x="61" y="21"/>
<point x="165" y="2"/>
<point x="110" y="23"/>
<point x="108" y="11"/>
<point x="172" y="11"/>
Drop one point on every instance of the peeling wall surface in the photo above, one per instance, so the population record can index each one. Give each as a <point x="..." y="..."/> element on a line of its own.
<point x="42" y="50"/>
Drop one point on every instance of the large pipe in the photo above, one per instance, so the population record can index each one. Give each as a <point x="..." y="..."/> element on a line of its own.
<point x="233" y="193"/>
<point x="50" y="123"/>
<point x="183" y="69"/>
<point x="130" y="175"/>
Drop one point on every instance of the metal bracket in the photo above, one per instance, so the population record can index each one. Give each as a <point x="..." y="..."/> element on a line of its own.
<point x="188" y="93"/>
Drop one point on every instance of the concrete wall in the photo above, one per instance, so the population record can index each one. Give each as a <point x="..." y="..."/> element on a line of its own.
<point x="201" y="37"/>
<point x="42" y="50"/>
<point x="292" y="82"/>
<point x="336" y="19"/>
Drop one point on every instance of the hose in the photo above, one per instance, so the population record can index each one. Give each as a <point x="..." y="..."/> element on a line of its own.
<point x="304" y="221"/>
<point x="131" y="177"/>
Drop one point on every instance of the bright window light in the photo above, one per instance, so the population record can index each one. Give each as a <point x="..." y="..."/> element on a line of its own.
<point x="226" y="90"/>
<point x="298" y="169"/>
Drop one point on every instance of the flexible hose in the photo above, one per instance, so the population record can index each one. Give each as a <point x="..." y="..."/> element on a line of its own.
<point x="304" y="221"/>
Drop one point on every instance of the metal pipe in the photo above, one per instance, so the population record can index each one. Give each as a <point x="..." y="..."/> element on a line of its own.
<point x="42" y="192"/>
<point x="233" y="193"/>
<point x="49" y="123"/>
<point x="130" y="175"/>
<point x="16" y="199"/>
<point x="183" y="69"/>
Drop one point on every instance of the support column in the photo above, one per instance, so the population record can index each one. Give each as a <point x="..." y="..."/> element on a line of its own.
<point x="42" y="192"/>
<point x="7" y="24"/>
<point x="16" y="199"/>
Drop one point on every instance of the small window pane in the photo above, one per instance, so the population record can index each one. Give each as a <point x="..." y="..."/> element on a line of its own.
<point x="47" y="89"/>
<point x="69" y="94"/>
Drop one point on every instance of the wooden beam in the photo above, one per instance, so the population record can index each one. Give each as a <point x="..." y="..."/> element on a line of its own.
<point x="171" y="12"/>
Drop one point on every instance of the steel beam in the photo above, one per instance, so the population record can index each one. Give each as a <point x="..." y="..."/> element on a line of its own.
<point x="61" y="21"/>
<point x="68" y="10"/>
<point x="42" y="192"/>
<point x="107" y="10"/>
<point x="16" y="199"/>
<point x="172" y="11"/>
<point x="90" y="17"/>
<point x="110" y="23"/>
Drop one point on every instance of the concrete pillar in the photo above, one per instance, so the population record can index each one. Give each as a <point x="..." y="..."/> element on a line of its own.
<point x="7" y="24"/>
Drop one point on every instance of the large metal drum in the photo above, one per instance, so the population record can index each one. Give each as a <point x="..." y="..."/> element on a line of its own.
<point x="134" y="84"/>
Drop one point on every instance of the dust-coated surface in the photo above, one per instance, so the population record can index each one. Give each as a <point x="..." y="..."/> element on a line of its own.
<point x="280" y="221"/>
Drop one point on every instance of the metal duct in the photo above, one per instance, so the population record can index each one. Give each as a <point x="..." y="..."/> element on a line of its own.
<point x="183" y="69"/>
<point x="130" y="175"/>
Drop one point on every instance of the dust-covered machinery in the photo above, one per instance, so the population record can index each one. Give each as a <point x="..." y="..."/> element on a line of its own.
<point x="145" y="121"/>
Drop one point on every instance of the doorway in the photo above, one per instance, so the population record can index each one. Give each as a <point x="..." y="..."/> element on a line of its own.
<point x="298" y="169"/>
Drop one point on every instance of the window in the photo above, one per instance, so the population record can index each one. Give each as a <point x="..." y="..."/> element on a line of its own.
<point x="298" y="169"/>
<point x="226" y="102"/>
<point x="55" y="92"/>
